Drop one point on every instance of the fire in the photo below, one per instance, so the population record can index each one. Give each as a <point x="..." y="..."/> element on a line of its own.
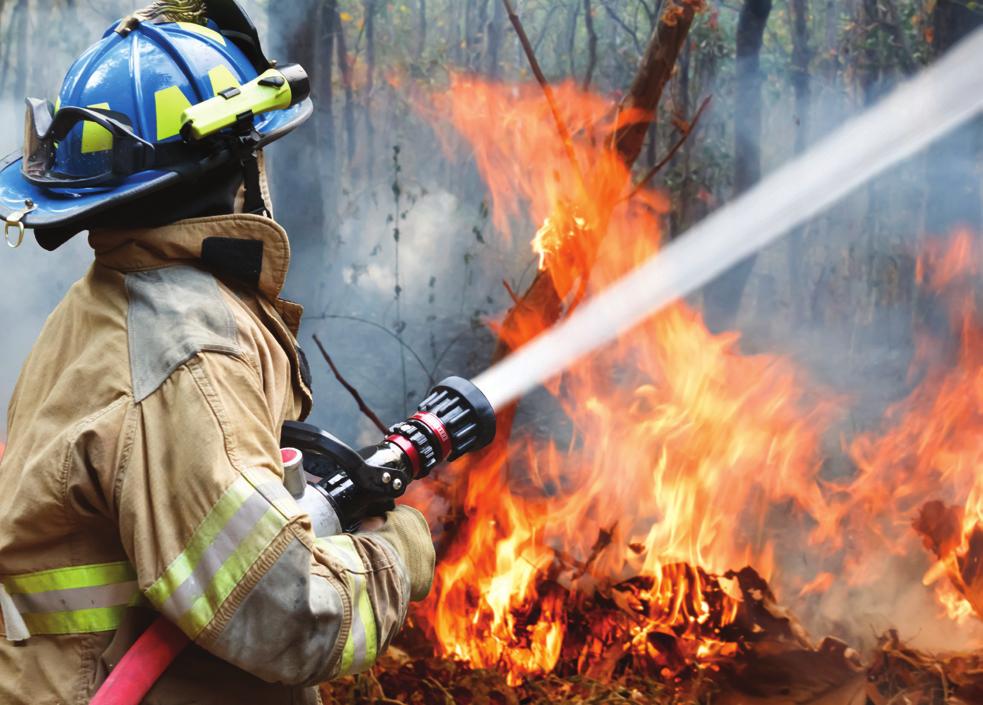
<point x="933" y="446"/>
<point x="679" y="447"/>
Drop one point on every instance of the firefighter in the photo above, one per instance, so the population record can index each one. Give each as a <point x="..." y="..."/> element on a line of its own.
<point x="142" y="473"/>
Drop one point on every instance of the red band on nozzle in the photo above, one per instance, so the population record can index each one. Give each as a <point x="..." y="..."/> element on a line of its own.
<point x="433" y="422"/>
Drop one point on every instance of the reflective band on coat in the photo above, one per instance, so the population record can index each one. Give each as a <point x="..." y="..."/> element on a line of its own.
<point x="75" y="600"/>
<point x="362" y="645"/>
<point x="240" y="526"/>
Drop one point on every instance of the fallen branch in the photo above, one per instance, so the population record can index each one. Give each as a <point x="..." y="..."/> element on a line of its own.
<point x="650" y="174"/>
<point x="362" y="406"/>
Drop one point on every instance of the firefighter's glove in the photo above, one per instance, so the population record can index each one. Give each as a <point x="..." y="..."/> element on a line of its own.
<point x="407" y="531"/>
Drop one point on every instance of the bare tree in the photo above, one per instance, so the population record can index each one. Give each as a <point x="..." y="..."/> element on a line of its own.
<point x="294" y="164"/>
<point x="421" y="28"/>
<point x="369" y="7"/>
<point x="722" y="297"/>
<point x="494" y="35"/>
<point x="591" y="43"/>
<point x="953" y="164"/>
<point x="344" y="67"/>
<point x="801" y="57"/>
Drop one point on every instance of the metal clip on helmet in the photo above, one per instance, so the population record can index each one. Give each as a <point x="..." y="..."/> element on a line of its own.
<point x="199" y="97"/>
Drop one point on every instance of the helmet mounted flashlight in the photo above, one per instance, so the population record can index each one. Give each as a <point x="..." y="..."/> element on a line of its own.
<point x="237" y="106"/>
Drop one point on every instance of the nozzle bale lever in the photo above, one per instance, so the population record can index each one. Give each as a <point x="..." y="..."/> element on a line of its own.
<point x="453" y="420"/>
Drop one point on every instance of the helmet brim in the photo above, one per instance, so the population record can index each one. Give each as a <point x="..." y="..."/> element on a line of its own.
<point x="67" y="208"/>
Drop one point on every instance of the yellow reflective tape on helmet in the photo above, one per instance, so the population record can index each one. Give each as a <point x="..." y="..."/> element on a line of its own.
<point x="222" y="78"/>
<point x="96" y="138"/>
<point x="96" y="619"/>
<point x="171" y="104"/>
<point x="202" y="30"/>
<point x="80" y="576"/>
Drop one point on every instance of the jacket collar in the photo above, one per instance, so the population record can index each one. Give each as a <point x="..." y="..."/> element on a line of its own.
<point x="218" y="241"/>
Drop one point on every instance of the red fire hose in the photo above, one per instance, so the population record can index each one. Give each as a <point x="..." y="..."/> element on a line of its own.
<point x="142" y="665"/>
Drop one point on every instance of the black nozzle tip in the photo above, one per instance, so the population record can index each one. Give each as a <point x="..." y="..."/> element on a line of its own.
<point x="479" y="404"/>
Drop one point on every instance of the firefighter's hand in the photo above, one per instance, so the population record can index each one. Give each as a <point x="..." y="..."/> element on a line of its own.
<point x="407" y="530"/>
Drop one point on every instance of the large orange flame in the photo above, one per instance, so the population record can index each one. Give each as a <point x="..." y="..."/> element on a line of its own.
<point x="677" y="449"/>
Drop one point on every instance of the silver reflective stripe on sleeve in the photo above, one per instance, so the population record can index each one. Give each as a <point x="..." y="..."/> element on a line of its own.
<point x="221" y="550"/>
<point x="81" y="598"/>
<point x="362" y="646"/>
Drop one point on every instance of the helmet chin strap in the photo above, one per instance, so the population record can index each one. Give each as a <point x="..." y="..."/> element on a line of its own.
<point x="254" y="196"/>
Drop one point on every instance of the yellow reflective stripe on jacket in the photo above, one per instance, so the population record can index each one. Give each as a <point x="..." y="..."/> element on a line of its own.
<point x="232" y="536"/>
<point x="74" y="600"/>
<point x="362" y="645"/>
<point x="73" y="577"/>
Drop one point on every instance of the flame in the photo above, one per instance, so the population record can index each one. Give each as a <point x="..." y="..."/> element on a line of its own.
<point x="932" y="447"/>
<point x="674" y="460"/>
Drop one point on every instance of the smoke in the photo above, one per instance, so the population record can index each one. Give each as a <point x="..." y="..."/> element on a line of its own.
<point x="32" y="281"/>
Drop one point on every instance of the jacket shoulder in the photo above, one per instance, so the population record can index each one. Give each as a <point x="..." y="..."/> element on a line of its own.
<point x="174" y="313"/>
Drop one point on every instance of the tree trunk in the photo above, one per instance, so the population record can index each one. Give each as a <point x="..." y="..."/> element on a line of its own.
<point x="572" y="40"/>
<point x="591" y="44"/>
<point x="346" y="79"/>
<point x="421" y="30"/>
<point x="722" y="298"/>
<point x="302" y="178"/>
<point x="495" y="31"/>
<point x="642" y="97"/>
<point x="680" y="216"/>
<point x="801" y="56"/>
<point x="369" y="86"/>
<point x="654" y="71"/>
<point x="954" y="162"/>
<point x="19" y="27"/>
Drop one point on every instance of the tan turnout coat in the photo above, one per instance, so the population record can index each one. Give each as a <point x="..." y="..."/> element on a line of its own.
<point x="142" y="475"/>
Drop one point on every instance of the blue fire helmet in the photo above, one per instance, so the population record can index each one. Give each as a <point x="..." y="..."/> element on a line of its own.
<point x="115" y="132"/>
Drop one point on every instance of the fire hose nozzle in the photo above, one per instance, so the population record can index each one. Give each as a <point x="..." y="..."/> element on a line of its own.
<point x="455" y="418"/>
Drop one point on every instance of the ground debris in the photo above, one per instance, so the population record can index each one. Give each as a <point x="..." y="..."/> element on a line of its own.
<point x="762" y="657"/>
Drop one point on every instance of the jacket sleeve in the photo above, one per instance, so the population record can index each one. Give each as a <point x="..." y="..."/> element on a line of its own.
<point x="222" y="549"/>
